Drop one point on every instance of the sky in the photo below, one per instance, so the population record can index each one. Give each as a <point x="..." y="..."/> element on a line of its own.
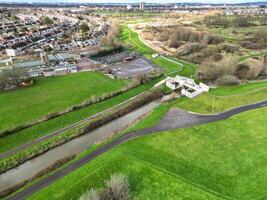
<point x="136" y="1"/>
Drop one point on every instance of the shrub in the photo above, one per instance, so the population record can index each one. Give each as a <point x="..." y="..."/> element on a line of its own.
<point x="229" y="48"/>
<point x="227" y="80"/>
<point x="242" y="71"/>
<point x="117" y="188"/>
<point x="175" y="43"/>
<point x="111" y="40"/>
<point x="249" y="69"/>
<point x="90" y="195"/>
<point x="189" y="48"/>
<point x="212" y="39"/>
<point x="210" y="70"/>
<point x="252" y="45"/>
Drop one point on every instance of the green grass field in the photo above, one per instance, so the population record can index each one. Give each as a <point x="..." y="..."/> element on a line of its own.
<point x="221" y="99"/>
<point x="170" y="65"/>
<point x="218" y="100"/>
<point x="51" y="95"/>
<point x="49" y="126"/>
<point x="191" y="163"/>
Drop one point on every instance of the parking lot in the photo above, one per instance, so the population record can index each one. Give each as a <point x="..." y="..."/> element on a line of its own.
<point x="132" y="68"/>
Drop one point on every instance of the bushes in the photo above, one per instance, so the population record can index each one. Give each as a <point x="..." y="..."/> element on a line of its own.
<point x="210" y="70"/>
<point x="229" y="48"/>
<point x="213" y="71"/>
<point x="252" y="45"/>
<point x="117" y="188"/>
<point x="227" y="80"/>
<point x="189" y="48"/>
<point x="108" y="51"/>
<point x="249" y="69"/>
<point x="212" y="39"/>
<point x="110" y="40"/>
<point x="226" y="21"/>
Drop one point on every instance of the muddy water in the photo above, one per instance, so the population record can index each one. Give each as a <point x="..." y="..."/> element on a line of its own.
<point x="75" y="146"/>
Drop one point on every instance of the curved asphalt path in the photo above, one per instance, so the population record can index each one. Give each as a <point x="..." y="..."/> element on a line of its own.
<point x="168" y="122"/>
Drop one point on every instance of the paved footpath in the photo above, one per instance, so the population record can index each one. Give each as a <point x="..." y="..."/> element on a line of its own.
<point x="174" y="119"/>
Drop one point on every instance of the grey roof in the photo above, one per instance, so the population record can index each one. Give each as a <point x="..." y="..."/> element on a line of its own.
<point x="33" y="63"/>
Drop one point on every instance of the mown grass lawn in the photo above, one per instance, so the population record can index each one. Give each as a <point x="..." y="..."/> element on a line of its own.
<point x="221" y="160"/>
<point x="44" y="128"/>
<point x="225" y="98"/>
<point x="51" y="95"/>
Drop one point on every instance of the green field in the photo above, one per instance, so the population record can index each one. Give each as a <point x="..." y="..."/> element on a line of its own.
<point x="218" y="100"/>
<point x="170" y="65"/>
<point x="49" y="126"/>
<point x="191" y="163"/>
<point x="51" y="95"/>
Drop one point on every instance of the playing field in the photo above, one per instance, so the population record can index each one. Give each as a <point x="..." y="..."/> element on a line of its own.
<point x="52" y="94"/>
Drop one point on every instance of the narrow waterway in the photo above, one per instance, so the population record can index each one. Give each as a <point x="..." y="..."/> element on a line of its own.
<point x="75" y="146"/>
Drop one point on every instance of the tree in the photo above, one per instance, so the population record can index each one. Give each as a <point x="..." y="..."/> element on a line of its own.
<point x="84" y="28"/>
<point x="13" y="76"/>
<point x="14" y="18"/>
<point x="117" y="188"/>
<point x="110" y="40"/>
<point x="46" y="20"/>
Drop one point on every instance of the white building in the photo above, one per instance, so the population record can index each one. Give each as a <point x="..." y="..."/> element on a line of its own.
<point x="188" y="86"/>
<point x="142" y="6"/>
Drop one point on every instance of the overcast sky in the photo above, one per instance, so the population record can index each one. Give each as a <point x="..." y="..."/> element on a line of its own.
<point x="137" y="1"/>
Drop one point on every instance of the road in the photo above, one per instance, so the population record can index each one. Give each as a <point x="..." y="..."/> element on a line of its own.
<point x="174" y="119"/>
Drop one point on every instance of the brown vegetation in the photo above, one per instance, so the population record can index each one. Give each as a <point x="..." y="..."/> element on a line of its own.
<point x="229" y="70"/>
<point x="110" y="40"/>
<point x="117" y="188"/>
<point x="210" y="70"/>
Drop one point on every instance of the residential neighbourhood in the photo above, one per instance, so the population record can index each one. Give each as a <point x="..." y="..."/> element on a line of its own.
<point x="133" y="100"/>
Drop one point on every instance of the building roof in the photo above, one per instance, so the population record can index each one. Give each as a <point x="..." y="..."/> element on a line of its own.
<point x="33" y="63"/>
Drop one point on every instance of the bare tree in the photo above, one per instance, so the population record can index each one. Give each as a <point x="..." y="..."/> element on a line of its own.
<point x="110" y="40"/>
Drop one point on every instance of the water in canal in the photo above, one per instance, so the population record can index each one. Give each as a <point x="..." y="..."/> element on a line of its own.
<point x="75" y="146"/>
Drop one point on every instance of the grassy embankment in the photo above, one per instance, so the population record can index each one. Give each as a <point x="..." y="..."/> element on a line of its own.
<point x="155" y="116"/>
<point x="83" y="128"/>
<point x="170" y="65"/>
<point x="52" y="94"/>
<point x="217" y="100"/>
<point x="44" y="128"/>
<point x="195" y="163"/>
<point x="224" y="98"/>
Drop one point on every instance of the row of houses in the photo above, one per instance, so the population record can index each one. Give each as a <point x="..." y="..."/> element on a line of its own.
<point x="34" y="37"/>
<point x="47" y="35"/>
<point x="245" y="11"/>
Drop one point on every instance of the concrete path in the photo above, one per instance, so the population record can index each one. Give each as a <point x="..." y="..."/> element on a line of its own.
<point x="174" y="119"/>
